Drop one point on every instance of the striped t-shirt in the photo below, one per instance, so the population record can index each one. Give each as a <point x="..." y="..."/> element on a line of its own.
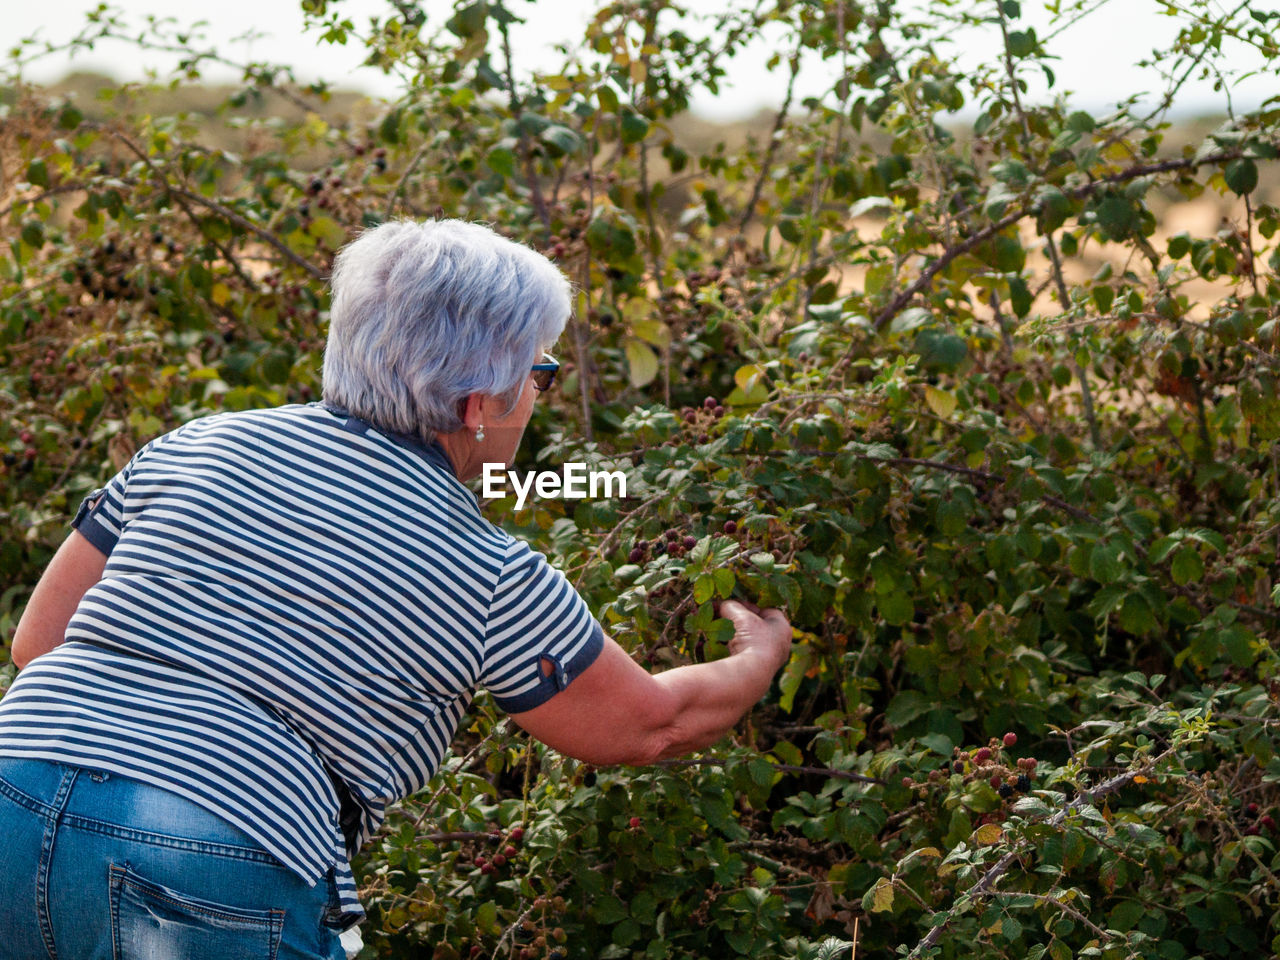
<point x="295" y="611"/>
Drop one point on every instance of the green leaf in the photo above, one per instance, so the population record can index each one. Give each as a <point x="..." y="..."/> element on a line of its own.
<point x="502" y="160"/>
<point x="608" y="910"/>
<point x="1105" y="565"/>
<point x="70" y="117"/>
<point x="1022" y="43"/>
<point x="562" y="138"/>
<point x="879" y="899"/>
<point x="633" y="128"/>
<point x="793" y="676"/>
<point x="38" y="173"/>
<point x="941" y="402"/>
<point x="1020" y="298"/>
<point x="906" y="706"/>
<point x="1241" y="176"/>
<point x="642" y="362"/>
<point x="704" y="588"/>
<point x="1187" y="566"/>
<point x="724" y="580"/>
<point x="897" y="608"/>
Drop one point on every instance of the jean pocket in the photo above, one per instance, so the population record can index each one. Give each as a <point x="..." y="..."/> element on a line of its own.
<point x="149" y="920"/>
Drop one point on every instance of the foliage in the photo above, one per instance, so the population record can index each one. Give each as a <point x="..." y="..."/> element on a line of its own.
<point x="922" y="363"/>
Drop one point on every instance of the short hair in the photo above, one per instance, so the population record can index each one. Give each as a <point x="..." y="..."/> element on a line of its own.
<point x="425" y="314"/>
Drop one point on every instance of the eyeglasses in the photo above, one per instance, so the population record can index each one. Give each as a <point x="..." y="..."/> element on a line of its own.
<point x="544" y="373"/>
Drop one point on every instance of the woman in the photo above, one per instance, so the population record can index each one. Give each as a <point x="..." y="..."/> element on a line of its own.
<point x="274" y="621"/>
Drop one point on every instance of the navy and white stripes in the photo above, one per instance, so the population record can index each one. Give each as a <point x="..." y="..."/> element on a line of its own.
<point x="294" y="614"/>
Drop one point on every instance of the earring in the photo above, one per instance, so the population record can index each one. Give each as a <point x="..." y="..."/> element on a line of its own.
<point x="480" y="433"/>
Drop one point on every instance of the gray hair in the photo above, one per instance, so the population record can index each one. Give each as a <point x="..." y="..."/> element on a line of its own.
<point x="425" y="314"/>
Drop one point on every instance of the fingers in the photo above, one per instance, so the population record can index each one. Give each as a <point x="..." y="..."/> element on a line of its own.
<point x="740" y="610"/>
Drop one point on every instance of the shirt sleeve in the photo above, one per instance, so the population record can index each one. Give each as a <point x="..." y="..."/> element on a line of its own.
<point x="101" y="515"/>
<point x="536" y="615"/>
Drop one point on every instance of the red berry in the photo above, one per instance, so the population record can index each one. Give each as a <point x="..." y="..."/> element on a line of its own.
<point x="26" y="436"/>
<point x="1251" y="809"/>
<point x="730" y="527"/>
<point x="982" y="755"/>
<point x="672" y="535"/>
<point x="908" y="782"/>
<point x="517" y="834"/>
<point x="996" y="780"/>
<point x="718" y="411"/>
<point x="634" y="822"/>
<point x="1268" y="822"/>
<point x="499" y="860"/>
<point x="636" y="555"/>
<point x="690" y="542"/>
<point x="690" y="416"/>
<point x="476" y="950"/>
<point x="1251" y="830"/>
<point x="29" y="453"/>
<point x="1010" y="739"/>
<point x="710" y="403"/>
<point x="479" y="861"/>
<point x="509" y="851"/>
<point x="488" y="869"/>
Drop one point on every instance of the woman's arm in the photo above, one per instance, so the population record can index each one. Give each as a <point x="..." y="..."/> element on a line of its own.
<point x="76" y="567"/>
<point x="617" y="712"/>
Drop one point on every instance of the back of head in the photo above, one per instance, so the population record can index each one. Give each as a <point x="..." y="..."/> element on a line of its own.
<point x="424" y="314"/>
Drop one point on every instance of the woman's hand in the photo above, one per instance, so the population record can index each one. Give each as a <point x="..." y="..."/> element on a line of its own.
<point x="765" y="633"/>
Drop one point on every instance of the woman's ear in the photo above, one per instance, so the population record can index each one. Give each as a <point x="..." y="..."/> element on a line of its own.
<point x="471" y="410"/>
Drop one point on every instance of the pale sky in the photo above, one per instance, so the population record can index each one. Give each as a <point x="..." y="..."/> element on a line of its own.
<point x="1097" y="55"/>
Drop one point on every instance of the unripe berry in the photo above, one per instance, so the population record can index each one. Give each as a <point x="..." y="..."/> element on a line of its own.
<point x="509" y="851"/>
<point x="982" y="755"/>
<point x="730" y="527"/>
<point x="479" y="861"/>
<point x="996" y="781"/>
<point x="636" y="555"/>
<point x="908" y="782"/>
<point x="1251" y="809"/>
<point x="517" y="834"/>
<point x="26" y="436"/>
<point x="1268" y="822"/>
<point x="634" y="823"/>
<point x="710" y="403"/>
<point x="690" y="542"/>
<point x="499" y="860"/>
<point x="1010" y="739"/>
<point x="488" y="869"/>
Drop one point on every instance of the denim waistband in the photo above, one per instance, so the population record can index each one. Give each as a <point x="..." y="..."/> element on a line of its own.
<point x="106" y="802"/>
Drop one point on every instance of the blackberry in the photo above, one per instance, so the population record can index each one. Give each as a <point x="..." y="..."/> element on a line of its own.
<point x="1005" y="791"/>
<point x="1024" y="783"/>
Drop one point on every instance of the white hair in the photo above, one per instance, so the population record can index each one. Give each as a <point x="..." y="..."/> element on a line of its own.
<point x="425" y="314"/>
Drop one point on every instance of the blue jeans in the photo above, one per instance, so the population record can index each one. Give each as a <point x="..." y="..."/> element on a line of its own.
<point x="94" y="865"/>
